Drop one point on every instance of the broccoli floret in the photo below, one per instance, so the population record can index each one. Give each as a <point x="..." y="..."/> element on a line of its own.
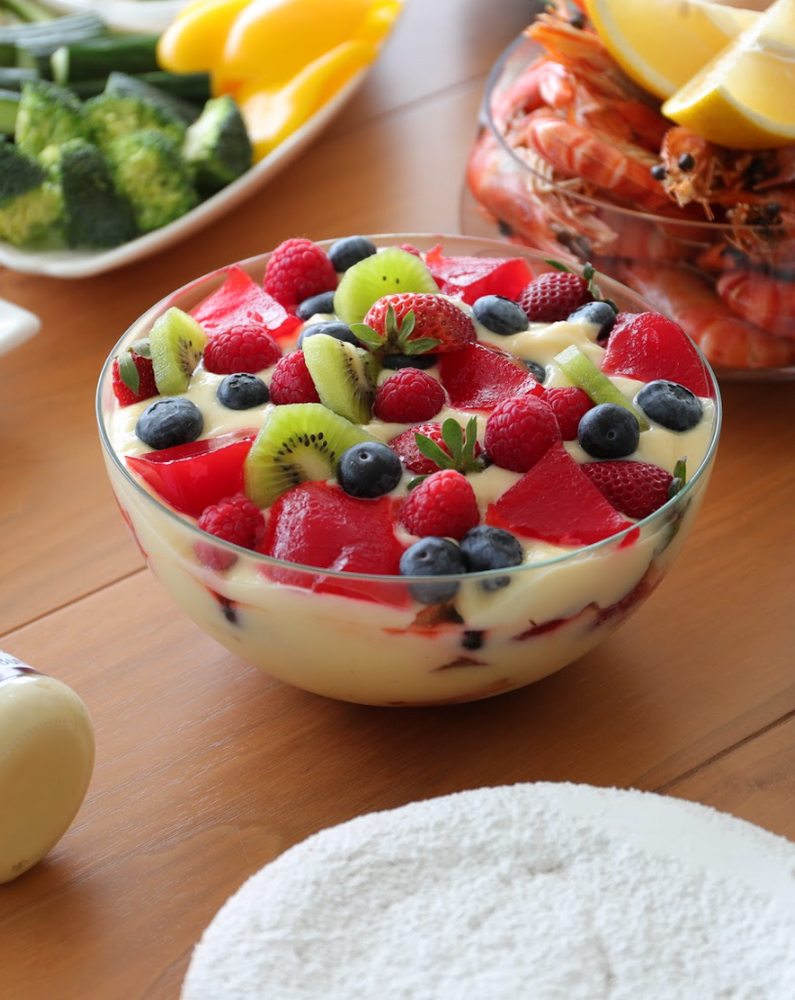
<point x="48" y="115"/>
<point x="149" y="170"/>
<point x="113" y="115"/>
<point x="31" y="207"/>
<point x="95" y="213"/>
<point x="217" y="145"/>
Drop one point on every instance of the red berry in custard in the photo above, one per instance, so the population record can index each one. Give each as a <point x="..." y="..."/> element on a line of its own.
<point x="554" y="296"/>
<point x="519" y="432"/>
<point x="405" y="444"/>
<point x="133" y="378"/>
<point x="435" y="318"/>
<point x="297" y="269"/>
<point x="408" y="396"/>
<point x="569" y="403"/>
<point x="244" y="347"/>
<point x="291" y="381"/>
<point x="234" y="519"/>
<point x="637" y="489"/>
<point x="444" y="504"/>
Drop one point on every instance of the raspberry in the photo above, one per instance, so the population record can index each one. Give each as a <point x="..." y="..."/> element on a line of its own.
<point x="408" y="396"/>
<point x="405" y="445"/>
<point x="235" y="519"/>
<point x="240" y="348"/>
<point x="291" y="381"/>
<point x="519" y="432"/>
<point x="568" y="403"/>
<point x="122" y="376"/>
<point x="553" y="296"/>
<point x="435" y="317"/>
<point x="297" y="269"/>
<point x="442" y="505"/>
<point x="636" y="489"/>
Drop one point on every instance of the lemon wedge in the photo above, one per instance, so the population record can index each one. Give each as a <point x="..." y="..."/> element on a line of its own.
<point x="661" y="44"/>
<point x="743" y="97"/>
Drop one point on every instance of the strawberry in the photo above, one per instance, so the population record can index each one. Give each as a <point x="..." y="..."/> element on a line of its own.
<point x="133" y="376"/>
<point x="234" y="519"/>
<point x="443" y="505"/>
<point x="244" y="347"/>
<point x="291" y="381"/>
<point x="459" y="450"/>
<point x="637" y="489"/>
<point x="519" y="432"/>
<point x="408" y="396"/>
<point x="554" y="296"/>
<point x="435" y="324"/>
<point x="297" y="269"/>
<point x="568" y="403"/>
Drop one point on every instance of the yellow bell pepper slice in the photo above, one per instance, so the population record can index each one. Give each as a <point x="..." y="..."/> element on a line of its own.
<point x="273" y="114"/>
<point x="273" y="40"/>
<point x="194" y="42"/>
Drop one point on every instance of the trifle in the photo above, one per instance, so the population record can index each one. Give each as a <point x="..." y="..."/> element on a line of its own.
<point x="407" y="470"/>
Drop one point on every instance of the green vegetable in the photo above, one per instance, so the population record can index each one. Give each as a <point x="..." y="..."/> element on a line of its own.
<point x="9" y="107"/>
<point x="27" y="10"/>
<point x="97" y="57"/>
<point x="135" y="86"/>
<point x="48" y="114"/>
<point x="31" y="206"/>
<point x="12" y="77"/>
<point x="95" y="213"/>
<point x="191" y="88"/>
<point x="217" y="145"/>
<point x="112" y="115"/>
<point x="149" y="170"/>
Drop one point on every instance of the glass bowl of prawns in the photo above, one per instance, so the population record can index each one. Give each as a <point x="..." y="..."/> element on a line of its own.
<point x="572" y="158"/>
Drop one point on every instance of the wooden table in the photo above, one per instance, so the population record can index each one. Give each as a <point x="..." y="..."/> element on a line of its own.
<point x="207" y="769"/>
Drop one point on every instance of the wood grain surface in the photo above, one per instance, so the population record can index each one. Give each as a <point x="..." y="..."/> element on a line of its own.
<point x="207" y="769"/>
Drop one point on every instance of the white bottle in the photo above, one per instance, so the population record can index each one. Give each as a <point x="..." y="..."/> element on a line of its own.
<point x="46" y="761"/>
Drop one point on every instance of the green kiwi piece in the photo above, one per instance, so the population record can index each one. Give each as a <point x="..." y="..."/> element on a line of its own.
<point x="297" y="442"/>
<point x="386" y="273"/>
<point x="176" y="342"/>
<point x="584" y="373"/>
<point x="344" y="376"/>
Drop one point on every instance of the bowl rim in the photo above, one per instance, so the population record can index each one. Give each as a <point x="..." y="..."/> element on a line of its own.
<point x="492" y="247"/>
<point x="512" y="51"/>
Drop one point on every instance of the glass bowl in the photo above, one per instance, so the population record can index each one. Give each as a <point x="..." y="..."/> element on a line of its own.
<point x="365" y="638"/>
<point x="729" y="285"/>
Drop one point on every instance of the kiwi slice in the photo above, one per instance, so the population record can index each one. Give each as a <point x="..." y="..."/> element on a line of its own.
<point x="344" y="376"/>
<point x="176" y="342"/>
<point x="584" y="373"/>
<point x="297" y="442"/>
<point x="386" y="273"/>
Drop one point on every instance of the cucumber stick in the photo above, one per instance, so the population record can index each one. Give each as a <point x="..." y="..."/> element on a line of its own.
<point x="9" y="105"/>
<point x="98" y="57"/>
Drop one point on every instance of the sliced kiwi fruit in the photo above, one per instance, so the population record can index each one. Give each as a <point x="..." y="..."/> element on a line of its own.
<point x="583" y="372"/>
<point x="344" y="376"/>
<point x="297" y="442"/>
<point x="386" y="273"/>
<point x="176" y="342"/>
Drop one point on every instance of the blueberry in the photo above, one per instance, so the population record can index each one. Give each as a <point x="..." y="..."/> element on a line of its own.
<point x="670" y="404"/>
<point x="241" y="391"/>
<point x="500" y="315"/>
<point x="536" y="369"/>
<point x="332" y="328"/>
<point x="395" y="361"/>
<point x="169" y="422"/>
<point x="433" y="556"/>
<point x="609" y="431"/>
<point x="369" y="469"/>
<point x="598" y="312"/>
<point x="322" y="303"/>
<point x="486" y="547"/>
<point x="349" y="251"/>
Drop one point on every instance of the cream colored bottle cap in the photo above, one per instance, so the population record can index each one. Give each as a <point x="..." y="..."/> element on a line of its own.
<point x="46" y="761"/>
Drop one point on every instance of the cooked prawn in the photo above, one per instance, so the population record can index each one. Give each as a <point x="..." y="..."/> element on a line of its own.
<point x="726" y="339"/>
<point x="696" y="170"/>
<point x="760" y="298"/>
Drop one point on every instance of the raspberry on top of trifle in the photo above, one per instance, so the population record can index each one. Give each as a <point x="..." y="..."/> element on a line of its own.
<point x="405" y="413"/>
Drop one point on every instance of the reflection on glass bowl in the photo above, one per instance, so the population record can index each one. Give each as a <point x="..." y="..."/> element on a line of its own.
<point x="730" y="285"/>
<point x="366" y="638"/>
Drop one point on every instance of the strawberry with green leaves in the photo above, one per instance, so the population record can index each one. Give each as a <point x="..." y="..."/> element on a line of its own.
<point x="415" y="323"/>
